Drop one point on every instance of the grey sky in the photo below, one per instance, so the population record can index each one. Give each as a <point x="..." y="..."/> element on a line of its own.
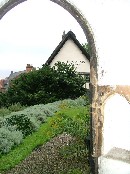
<point x="29" y="37"/>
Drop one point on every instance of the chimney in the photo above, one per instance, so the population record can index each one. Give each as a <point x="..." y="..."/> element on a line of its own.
<point x="2" y="83"/>
<point x="29" y="68"/>
<point x="63" y="35"/>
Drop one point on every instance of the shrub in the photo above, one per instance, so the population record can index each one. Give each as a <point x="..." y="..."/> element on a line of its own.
<point x="48" y="84"/>
<point x="76" y="149"/>
<point x="4" y="111"/>
<point x="75" y="171"/>
<point x="3" y="100"/>
<point x="16" y="107"/>
<point x="9" y="137"/>
<point x="22" y="123"/>
<point x="81" y="101"/>
<point x="41" y="112"/>
<point x="12" y="108"/>
<point x="75" y="121"/>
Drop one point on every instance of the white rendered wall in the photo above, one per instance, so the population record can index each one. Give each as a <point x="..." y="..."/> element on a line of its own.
<point x="116" y="124"/>
<point x="116" y="133"/>
<point x="110" y="23"/>
<point x="71" y="53"/>
<point x="110" y="166"/>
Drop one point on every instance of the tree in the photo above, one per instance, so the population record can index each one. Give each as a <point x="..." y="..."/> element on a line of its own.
<point x="87" y="47"/>
<point x="3" y="99"/>
<point x="47" y="85"/>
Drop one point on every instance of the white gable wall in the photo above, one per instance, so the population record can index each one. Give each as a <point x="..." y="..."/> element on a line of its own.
<point x="70" y="52"/>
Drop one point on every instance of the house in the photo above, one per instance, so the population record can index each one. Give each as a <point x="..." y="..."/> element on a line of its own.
<point x="2" y="85"/>
<point x="14" y="75"/>
<point x="5" y="83"/>
<point x="71" y="51"/>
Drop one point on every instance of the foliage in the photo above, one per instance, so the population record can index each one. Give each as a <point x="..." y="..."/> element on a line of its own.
<point x="3" y="100"/>
<point x="12" y="108"/>
<point x="87" y="47"/>
<point x="46" y="85"/>
<point x="29" y="120"/>
<point x="16" y="107"/>
<point x="75" y="171"/>
<point x="69" y="103"/>
<point x="9" y="138"/>
<point x="4" y="111"/>
<point x="29" y="143"/>
<point x="22" y="123"/>
<point x="75" y="120"/>
<point x="72" y="120"/>
<point x="76" y="151"/>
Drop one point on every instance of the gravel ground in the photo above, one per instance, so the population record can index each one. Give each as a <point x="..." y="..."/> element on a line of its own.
<point x="47" y="160"/>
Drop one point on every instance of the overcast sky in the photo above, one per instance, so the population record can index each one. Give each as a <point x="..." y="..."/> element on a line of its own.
<point x="30" y="32"/>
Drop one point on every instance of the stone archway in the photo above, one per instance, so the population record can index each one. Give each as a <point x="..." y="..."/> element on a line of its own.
<point x="116" y="127"/>
<point x="115" y="149"/>
<point x="75" y="12"/>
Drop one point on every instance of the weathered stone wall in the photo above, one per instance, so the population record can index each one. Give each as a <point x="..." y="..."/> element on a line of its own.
<point x="104" y="92"/>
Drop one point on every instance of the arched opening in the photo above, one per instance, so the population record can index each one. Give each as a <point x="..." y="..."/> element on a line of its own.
<point x="116" y="127"/>
<point x="115" y="149"/>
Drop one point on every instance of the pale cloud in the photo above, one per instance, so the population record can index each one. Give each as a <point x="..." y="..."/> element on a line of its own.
<point x="31" y="31"/>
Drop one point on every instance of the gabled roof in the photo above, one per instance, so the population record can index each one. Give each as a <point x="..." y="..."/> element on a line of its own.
<point x="69" y="35"/>
<point x="15" y="74"/>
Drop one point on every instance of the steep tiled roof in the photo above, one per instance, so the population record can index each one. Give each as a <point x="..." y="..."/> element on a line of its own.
<point x="12" y="76"/>
<point x="15" y="74"/>
<point x="69" y="35"/>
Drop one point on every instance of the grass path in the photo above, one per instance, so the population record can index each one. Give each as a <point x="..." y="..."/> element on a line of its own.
<point x="23" y="150"/>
